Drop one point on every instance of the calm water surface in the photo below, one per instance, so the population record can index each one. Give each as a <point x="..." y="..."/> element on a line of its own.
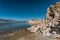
<point x="14" y="26"/>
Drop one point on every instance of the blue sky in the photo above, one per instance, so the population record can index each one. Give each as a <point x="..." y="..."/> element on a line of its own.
<point x="24" y="9"/>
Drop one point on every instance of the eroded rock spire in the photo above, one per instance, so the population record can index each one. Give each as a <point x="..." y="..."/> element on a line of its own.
<point x="49" y="27"/>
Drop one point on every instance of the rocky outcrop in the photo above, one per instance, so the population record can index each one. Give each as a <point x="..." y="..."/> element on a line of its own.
<point x="53" y="13"/>
<point x="49" y="27"/>
<point x="37" y="25"/>
<point x="53" y="20"/>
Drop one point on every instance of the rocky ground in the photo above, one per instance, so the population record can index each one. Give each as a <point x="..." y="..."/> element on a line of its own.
<point x="24" y="35"/>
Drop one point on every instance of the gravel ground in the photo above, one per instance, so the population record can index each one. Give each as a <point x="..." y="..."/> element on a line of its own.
<point x="25" y="35"/>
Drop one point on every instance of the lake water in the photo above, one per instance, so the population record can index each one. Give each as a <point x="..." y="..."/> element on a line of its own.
<point x="14" y="26"/>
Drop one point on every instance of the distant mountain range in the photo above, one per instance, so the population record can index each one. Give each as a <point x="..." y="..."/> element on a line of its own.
<point x="9" y="21"/>
<point x="5" y="20"/>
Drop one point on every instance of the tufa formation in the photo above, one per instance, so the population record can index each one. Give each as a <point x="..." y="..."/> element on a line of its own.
<point x="50" y="27"/>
